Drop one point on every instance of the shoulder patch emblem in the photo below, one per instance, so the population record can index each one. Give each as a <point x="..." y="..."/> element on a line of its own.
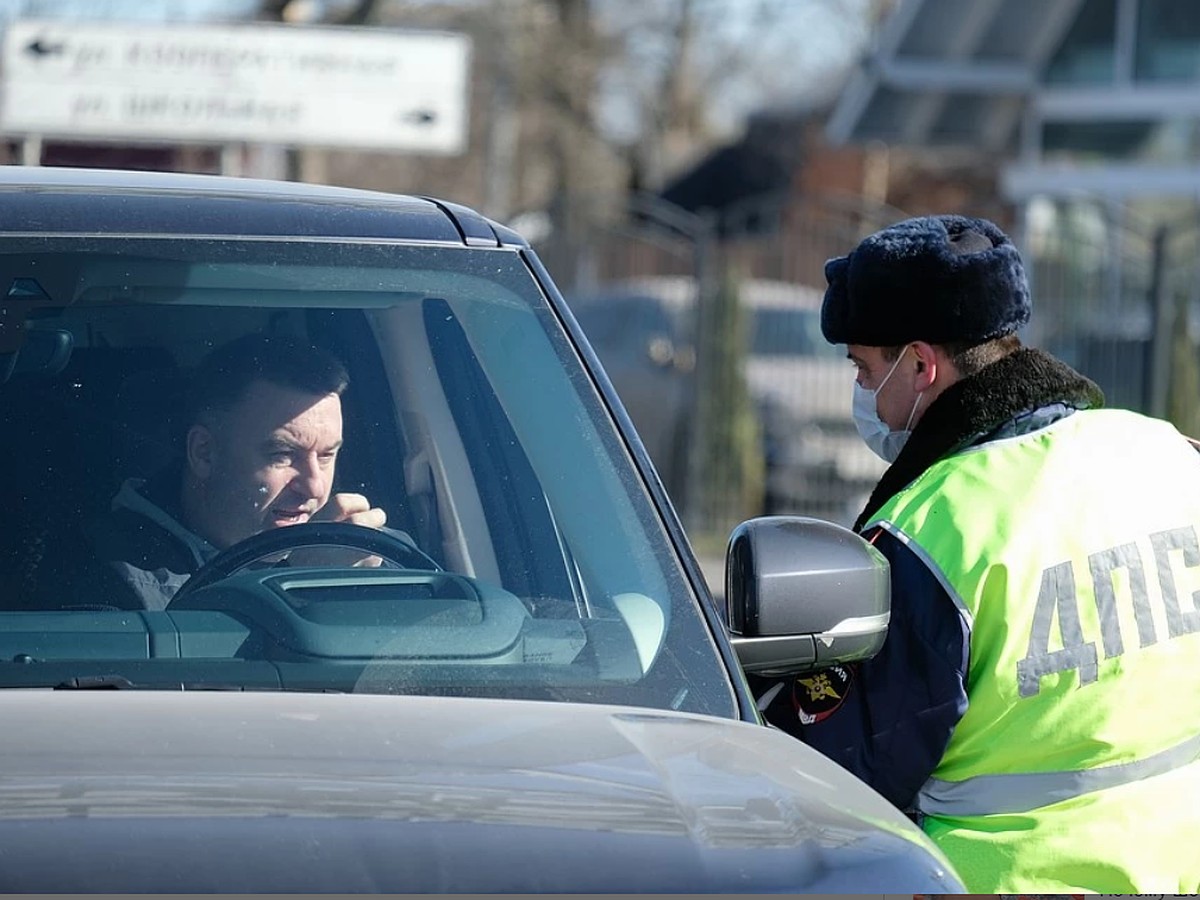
<point x="818" y="696"/>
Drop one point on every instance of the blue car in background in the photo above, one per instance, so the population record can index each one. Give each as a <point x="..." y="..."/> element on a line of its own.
<point x="815" y="464"/>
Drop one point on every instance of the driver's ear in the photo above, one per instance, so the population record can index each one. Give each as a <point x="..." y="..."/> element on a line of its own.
<point x="200" y="451"/>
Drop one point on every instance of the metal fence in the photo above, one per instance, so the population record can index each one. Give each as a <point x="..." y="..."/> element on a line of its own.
<point x="709" y="329"/>
<point x="1118" y="297"/>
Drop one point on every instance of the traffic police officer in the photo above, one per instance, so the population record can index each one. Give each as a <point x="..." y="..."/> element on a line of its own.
<point x="1036" y="705"/>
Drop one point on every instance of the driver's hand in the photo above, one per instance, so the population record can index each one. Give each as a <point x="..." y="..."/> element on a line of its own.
<point x="355" y="509"/>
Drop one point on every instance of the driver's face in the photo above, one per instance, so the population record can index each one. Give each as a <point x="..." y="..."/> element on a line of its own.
<point x="271" y="463"/>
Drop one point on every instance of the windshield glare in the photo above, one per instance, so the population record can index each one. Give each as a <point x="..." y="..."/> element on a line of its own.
<point x="520" y="556"/>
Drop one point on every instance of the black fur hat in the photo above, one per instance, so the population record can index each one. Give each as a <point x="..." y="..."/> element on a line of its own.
<point x="936" y="278"/>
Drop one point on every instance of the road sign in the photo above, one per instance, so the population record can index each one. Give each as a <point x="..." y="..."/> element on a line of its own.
<point x="281" y="84"/>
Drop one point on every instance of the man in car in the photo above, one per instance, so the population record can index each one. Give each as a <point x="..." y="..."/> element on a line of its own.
<point x="1035" y="703"/>
<point x="262" y="433"/>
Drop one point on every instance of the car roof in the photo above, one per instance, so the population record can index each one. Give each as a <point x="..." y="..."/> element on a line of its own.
<point x="50" y="200"/>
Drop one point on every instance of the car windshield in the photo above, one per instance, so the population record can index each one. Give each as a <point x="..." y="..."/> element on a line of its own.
<point x="523" y="557"/>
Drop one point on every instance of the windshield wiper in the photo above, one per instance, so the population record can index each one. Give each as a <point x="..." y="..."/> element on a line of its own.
<point x="121" y="683"/>
<point x="95" y="683"/>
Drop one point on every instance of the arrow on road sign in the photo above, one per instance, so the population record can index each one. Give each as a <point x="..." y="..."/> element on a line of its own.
<point x="41" y="48"/>
<point x="419" y="117"/>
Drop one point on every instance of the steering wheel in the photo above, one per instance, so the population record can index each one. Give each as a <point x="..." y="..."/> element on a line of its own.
<point x="390" y="545"/>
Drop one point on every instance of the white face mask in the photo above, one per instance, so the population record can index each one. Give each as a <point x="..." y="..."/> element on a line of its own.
<point x="876" y="433"/>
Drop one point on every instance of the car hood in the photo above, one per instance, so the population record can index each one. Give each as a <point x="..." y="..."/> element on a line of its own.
<point x="137" y="791"/>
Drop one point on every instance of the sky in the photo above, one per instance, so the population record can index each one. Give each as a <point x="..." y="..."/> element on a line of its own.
<point x="792" y="54"/>
<point x="807" y="53"/>
<point x="130" y="10"/>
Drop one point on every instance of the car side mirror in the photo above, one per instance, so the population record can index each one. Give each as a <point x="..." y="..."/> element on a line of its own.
<point x="803" y="594"/>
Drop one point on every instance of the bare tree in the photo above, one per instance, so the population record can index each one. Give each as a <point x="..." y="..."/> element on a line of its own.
<point x="572" y="100"/>
<point x="571" y="94"/>
<point x="684" y="75"/>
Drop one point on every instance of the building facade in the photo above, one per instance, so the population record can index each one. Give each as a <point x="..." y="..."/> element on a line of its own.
<point x="1091" y="111"/>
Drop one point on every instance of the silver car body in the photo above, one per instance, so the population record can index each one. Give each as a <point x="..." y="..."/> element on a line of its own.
<point x="538" y="693"/>
<point x="210" y="792"/>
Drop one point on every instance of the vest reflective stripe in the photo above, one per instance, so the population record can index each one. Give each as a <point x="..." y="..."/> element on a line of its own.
<point x="1018" y="793"/>
<point x="919" y="551"/>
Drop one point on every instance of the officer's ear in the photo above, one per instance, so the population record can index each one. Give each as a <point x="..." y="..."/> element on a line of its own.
<point x="926" y="365"/>
<point x="200" y="447"/>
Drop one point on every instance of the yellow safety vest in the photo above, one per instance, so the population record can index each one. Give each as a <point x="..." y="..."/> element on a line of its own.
<point x="1073" y="556"/>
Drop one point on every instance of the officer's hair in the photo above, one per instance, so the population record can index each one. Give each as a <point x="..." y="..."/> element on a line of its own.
<point x="226" y="373"/>
<point x="968" y="357"/>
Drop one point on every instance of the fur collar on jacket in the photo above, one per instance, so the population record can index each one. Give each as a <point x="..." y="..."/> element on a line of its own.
<point x="974" y="407"/>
